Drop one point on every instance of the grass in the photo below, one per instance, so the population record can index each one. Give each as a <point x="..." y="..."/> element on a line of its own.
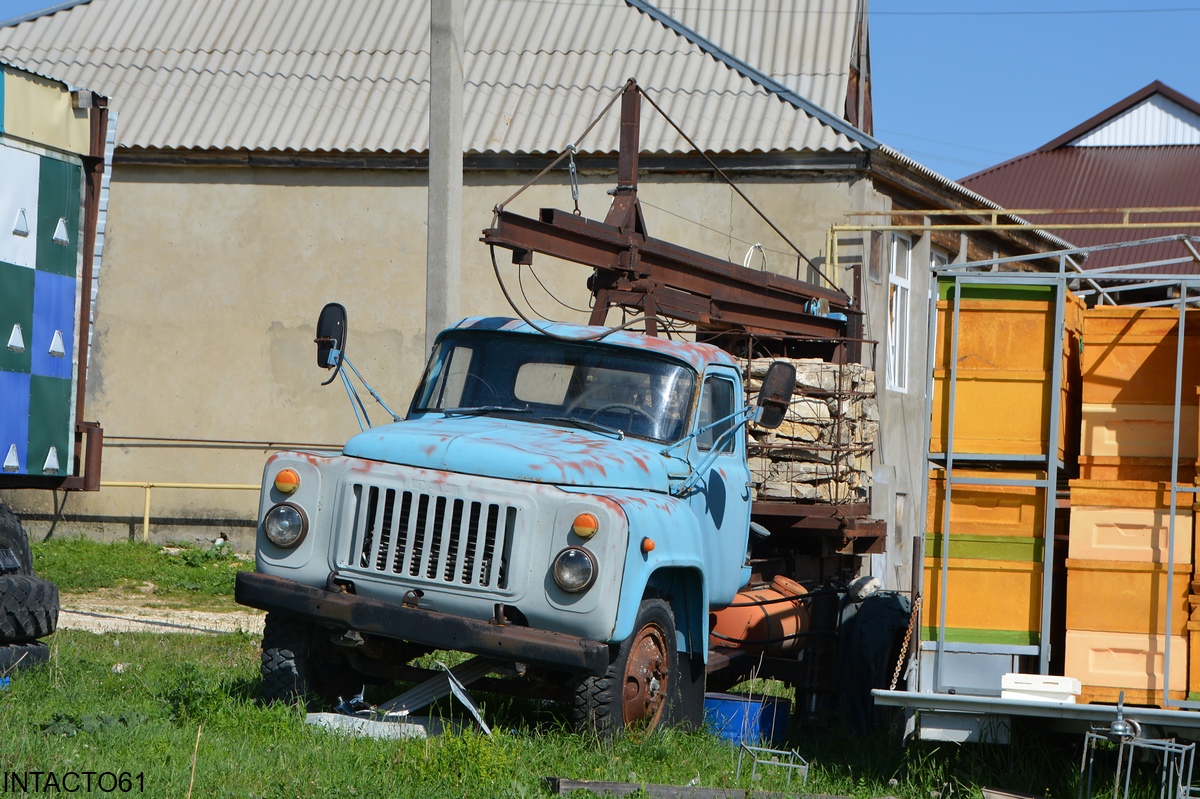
<point x="138" y="702"/>
<point x="175" y="576"/>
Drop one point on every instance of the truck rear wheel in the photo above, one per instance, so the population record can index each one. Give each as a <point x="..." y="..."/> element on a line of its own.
<point x="14" y="539"/>
<point x="14" y="657"/>
<point x="28" y="608"/>
<point x="635" y="691"/>
<point x="297" y="664"/>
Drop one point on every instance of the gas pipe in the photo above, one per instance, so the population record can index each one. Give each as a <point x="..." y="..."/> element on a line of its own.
<point x="767" y="617"/>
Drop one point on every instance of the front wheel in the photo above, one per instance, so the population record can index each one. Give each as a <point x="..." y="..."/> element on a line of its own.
<point x="15" y="540"/>
<point x="298" y="664"/>
<point x="639" y="684"/>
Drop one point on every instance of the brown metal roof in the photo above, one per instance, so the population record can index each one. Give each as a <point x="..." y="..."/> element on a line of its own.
<point x="1102" y="177"/>
<point x="1061" y="175"/>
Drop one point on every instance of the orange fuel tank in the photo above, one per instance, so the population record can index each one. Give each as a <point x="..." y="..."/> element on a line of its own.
<point x="766" y="618"/>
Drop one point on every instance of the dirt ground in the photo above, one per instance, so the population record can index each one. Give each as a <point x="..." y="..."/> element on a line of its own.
<point x="106" y="611"/>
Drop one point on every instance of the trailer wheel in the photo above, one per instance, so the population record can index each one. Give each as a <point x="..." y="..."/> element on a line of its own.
<point x="14" y="657"/>
<point x="634" y="693"/>
<point x="28" y="608"/>
<point x="297" y="666"/>
<point x="14" y="539"/>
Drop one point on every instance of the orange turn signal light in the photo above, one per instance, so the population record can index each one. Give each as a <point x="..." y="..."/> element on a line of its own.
<point x="647" y="545"/>
<point x="585" y="525"/>
<point x="287" y="481"/>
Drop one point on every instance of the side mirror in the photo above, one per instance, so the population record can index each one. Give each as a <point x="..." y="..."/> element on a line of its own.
<point x="331" y="339"/>
<point x="776" y="394"/>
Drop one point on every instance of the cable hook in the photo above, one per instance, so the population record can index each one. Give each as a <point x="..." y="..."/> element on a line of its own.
<point x="573" y="175"/>
<point x="750" y="256"/>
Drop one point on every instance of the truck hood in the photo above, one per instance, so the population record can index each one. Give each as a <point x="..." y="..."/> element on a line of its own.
<point x="518" y="450"/>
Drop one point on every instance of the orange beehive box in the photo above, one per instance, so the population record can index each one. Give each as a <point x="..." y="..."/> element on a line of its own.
<point x="1125" y="597"/>
<point x="987" y="509"/>
<point x="1126" y="661"/>
<point x="1130" y="430"/>
<point x="1128" y="520"/>
<point x="1129" y="534"/>
<point x="1096" y="694"/>
<point x="1004" y="366"/>
<point x="1126" y="494"/>
<point x="1105" y="467"/>
<point x="1129" y="356"/>
<point x="1194" y="657"/>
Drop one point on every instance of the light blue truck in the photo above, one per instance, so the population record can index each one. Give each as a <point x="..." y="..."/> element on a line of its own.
<point x="568" y="502"/>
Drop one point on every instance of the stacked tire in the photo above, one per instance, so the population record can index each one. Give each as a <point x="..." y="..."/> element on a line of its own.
<point x="28" y="604"/>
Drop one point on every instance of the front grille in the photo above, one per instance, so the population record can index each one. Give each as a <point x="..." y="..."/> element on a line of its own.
<point x="431" y="538"/>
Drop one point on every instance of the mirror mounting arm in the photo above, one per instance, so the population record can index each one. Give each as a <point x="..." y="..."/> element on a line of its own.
<point x="335" y="357"/>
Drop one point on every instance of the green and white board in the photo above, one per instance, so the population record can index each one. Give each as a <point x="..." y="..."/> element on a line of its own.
<point x="41" y="230"/>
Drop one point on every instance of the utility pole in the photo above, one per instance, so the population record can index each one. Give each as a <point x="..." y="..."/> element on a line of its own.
<point x="444" y="247"/>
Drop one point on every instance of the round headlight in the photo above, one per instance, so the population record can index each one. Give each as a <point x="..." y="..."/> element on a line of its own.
<point x="574" y="569"/>
<point x="285" y="525"/>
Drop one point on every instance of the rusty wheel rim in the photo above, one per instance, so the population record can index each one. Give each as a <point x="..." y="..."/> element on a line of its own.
<point x="647" y="678"/>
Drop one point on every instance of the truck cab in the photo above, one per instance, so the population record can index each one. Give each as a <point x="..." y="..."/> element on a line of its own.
<point x="566" y="501"/>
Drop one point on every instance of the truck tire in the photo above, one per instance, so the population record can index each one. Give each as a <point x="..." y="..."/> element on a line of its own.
<point x="634" y="693"/>
<point x="28" y="608"/>
<point x="14" y="538"/>
<point x="14" y="657"/>
<point x="297" y="667"/>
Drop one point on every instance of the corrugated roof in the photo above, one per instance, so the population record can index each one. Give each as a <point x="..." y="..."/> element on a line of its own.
<point x="352" y="76"/>
<point x="1102" y="177"/>
<point x="807" y="45"/>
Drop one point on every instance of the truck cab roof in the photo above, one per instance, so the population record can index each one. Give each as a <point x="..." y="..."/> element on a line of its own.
<point x="698" y="356"/>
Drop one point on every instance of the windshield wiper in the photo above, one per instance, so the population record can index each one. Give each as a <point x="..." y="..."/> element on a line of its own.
<point x="584" y="424"/>
<point x="483" y="410"/>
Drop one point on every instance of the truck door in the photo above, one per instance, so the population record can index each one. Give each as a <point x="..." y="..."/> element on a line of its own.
<point x="722" y="498"/>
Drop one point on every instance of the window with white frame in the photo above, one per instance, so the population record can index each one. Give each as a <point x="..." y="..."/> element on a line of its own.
<point x="899" y="285"/>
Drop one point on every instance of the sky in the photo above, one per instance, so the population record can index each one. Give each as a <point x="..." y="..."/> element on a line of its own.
<point x="961" y="85"/>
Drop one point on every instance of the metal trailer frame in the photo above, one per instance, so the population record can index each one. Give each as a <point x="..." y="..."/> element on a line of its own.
<point x="962" y="275"/>
<point x="1133" y="276"/>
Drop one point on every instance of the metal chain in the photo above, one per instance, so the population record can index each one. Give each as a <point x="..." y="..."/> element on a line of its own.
<point x="912" y="623"/>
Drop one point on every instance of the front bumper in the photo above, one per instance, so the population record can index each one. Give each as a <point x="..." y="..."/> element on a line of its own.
<point x="439" y="630"/>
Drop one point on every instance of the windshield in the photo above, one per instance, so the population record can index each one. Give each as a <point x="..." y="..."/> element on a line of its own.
<point x="545" y="379"/>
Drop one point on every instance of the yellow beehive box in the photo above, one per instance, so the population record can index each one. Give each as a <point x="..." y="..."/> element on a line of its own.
<point x="1129" y="661"/>
<point x="1125" y="597"/>
<point x="1005" y="359"/>
<point x="987" y="601"/>
<point x="987" y="509"/>
<point x="998" y="412"/>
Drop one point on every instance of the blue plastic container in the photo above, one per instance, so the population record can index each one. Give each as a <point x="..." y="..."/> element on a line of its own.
<point x="752" y="720"/>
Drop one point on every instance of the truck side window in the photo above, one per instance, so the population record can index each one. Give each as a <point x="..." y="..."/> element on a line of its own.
<point x="716" y="402"/>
